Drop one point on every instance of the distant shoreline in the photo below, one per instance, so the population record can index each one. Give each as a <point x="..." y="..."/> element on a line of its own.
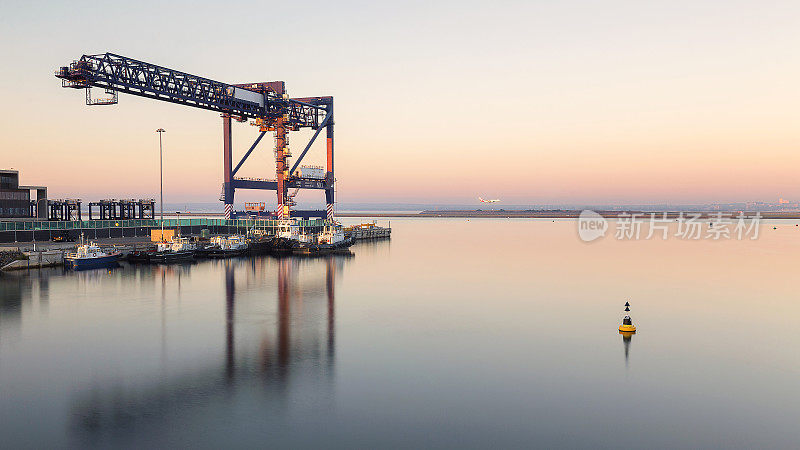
<point x="566" y="214"/>
<point x="520" y="214"/>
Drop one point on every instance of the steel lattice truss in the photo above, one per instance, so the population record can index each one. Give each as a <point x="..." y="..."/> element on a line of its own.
<point x="117" y="73"/>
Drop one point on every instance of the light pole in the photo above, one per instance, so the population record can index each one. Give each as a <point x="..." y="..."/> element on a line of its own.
<point x="161" y="177"/>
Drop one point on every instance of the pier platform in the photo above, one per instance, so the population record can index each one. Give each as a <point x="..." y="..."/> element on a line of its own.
<point x="367" y="231"/>
<point x="16" y="231"/>
<point x="35" y="244"/>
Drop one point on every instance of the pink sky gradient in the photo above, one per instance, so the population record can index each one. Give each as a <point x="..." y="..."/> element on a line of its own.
<point x="531" y="102"/>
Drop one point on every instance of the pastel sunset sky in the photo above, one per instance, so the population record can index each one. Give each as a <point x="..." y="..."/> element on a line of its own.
<point x="534" y="102"/>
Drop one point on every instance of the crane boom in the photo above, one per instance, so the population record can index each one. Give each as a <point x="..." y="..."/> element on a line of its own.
<point x="122" y="74"/>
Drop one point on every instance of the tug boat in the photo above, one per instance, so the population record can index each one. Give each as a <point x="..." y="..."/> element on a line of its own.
<point x="91" y="256"/>
<point x="259" y="242"/>
<point x="331" y="239"/>
<point x="225" y="246"/>
<point x="332" y="236"/>
<point x="291" y="238"/>
<point x="288" y="237"/>
<point x="180" y="249"/>
<point x="141" y="256"/>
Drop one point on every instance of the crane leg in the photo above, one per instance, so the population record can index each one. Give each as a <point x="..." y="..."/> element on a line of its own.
<point x="329" y="190"/>
<point x="227" y="168"/>
<point x="281" y="168"/>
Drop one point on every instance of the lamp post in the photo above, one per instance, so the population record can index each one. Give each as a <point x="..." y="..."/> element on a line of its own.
<point x="161" y="177"/>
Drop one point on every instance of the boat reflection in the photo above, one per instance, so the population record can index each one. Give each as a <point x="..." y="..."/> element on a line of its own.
<point x="23" y="291"/>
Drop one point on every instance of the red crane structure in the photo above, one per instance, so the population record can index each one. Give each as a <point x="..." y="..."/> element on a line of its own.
<point x="266" y="104"/>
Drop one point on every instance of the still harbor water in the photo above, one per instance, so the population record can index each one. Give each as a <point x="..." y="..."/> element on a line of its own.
<point x="481" y="333"/>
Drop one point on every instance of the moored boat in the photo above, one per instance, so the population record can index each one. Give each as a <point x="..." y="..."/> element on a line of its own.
<point x="225" y="246"/>
<point x="141" y="255"/>
<point x="288" y="237"/>
<point x="91" y="256"/>
<point x="332" y="239"/>
<point x="260" y="243"/>
<point x="180" y="249"/>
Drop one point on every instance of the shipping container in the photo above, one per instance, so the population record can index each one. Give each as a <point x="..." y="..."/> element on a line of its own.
<point x="156" y="236"/>
<point x="317" y="172"/>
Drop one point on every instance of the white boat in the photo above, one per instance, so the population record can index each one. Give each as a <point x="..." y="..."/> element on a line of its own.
<point x="288" y="229"/>
<point x="222" y="246"/>
<point x="288" y="236"/>
<point x="331" y="235"/>
<point x="91" y="256"/>
<point x="183" y="244"/>
<point x="180" y="249"/>
<point x="330" y="239"/>
<point x="291" y="237"/>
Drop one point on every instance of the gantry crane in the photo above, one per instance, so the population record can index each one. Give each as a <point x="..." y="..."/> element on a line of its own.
<point x="266" y="104"/>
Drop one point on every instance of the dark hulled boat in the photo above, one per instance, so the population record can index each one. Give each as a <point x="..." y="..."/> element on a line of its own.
<point x="91" y="256"/>
<point x="141" y="256"/>
<point x="179" y="250"/>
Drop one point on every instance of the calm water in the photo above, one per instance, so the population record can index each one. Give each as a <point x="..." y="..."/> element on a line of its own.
<point x="481" y="333"/>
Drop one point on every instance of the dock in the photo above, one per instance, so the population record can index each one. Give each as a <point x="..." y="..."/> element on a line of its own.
<point x="368" y="231"/>
<point x="29" y="244"/>
<point x="35" y="260"/>
<point x="13" y="231"/>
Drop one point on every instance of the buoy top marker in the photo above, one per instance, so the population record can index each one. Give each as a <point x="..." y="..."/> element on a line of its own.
<point x="627" y="323"/>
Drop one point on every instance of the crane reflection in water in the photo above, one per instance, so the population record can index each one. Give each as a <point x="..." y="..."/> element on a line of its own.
<point x="294" y="355"/>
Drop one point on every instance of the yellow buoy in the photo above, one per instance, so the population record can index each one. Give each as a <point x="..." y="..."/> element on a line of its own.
<point x="627" y="323"/>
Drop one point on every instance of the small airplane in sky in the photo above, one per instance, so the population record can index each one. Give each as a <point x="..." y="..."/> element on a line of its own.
<point x="488" y="201"/>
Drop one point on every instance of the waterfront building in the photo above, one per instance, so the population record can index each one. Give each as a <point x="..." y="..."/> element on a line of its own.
<point x="15" y="200"/>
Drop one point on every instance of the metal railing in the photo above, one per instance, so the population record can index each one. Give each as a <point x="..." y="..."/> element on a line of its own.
<point x="145" y="223"/>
